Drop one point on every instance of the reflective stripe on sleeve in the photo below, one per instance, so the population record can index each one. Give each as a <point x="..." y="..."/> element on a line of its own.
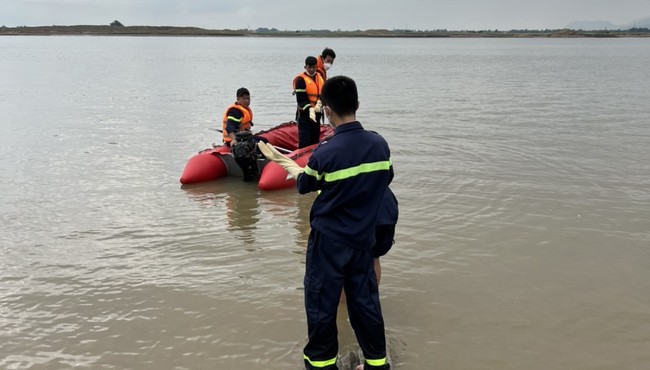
<point x="312" y="173"/>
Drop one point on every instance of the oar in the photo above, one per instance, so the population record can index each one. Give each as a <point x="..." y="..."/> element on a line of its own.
<point x="282" y="149"/>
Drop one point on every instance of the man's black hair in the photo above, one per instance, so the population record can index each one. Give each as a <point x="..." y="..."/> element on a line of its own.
<point x="340" y="94"/>
<point x="310" y="61"/>
<point x="242" y="91"/>
<point x="328" y="52"/>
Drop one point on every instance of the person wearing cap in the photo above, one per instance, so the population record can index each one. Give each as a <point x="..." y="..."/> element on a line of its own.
<point x="307" y="87"/>
<point x="325" y="61"/>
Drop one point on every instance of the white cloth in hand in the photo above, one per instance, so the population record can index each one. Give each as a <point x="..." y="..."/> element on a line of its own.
<point x="319" y="106"/>
<point x="312" y="114"/>
<point x="272" y="154"/>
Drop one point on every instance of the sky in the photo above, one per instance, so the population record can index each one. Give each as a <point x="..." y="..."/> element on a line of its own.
<point x="330" y="14"/>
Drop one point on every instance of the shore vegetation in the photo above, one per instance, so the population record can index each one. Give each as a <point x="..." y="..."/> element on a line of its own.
<point x="116" y="28"/>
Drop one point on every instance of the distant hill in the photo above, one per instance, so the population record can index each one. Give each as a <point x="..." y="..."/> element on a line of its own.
<point x="606" y="25"/>
<point x="639" y="23"/>
<point x="592" y="25"/>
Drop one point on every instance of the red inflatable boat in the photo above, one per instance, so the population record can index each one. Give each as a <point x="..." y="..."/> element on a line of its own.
<point x="215" y="163"/>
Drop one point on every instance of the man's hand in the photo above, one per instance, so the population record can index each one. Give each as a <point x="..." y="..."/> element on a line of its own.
<point x="319" y="106"/>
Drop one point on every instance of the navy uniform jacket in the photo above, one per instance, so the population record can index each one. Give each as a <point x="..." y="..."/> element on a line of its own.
<point x="352" y="170"/>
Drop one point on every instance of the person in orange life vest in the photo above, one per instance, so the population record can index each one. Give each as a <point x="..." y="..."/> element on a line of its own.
<point x="325" y="61"/>
<point x="307" y="87"/>
<point x="237" y="123"/>
<point x="238" y="117"/>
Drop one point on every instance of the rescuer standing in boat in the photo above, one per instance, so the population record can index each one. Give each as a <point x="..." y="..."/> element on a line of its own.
<point x="307" y="87"/>
<point x="324" y="62"/>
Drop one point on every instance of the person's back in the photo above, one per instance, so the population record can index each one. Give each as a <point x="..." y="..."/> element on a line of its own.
<point x="349" y="193"/>
<point x="351" y="171"/>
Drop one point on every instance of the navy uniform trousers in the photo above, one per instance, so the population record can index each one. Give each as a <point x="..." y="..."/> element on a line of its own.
<point x="330" y="267"/>
<point x="308" y="130"/>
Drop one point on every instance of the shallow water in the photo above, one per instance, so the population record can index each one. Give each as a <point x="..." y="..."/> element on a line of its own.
<point x="522" y="172"/>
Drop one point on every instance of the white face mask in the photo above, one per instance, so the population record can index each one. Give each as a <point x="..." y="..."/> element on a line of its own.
<point x="327" y="66"/>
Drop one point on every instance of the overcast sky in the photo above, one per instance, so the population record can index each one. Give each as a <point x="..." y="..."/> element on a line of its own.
<point x="330" y="14"/>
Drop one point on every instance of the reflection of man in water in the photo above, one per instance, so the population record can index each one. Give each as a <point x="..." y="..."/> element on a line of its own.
<point x="242" y="211"/>
<point x="233" y="207"/>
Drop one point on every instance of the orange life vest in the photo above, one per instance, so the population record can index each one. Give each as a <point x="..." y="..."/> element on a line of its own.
<point x="313" y="88"/>
<point x="244" y="123"/>
<point x="320" y="67"/>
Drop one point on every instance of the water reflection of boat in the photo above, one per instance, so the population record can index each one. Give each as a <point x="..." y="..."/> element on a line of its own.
<point x="218" y="162"/>
<point x="246" y="213"/>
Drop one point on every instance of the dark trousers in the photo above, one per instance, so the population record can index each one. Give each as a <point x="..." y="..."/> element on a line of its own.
<point x="308" y="130"/>
<point x="331" y="267"/>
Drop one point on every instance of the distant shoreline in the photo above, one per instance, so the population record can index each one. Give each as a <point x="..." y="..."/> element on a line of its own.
<point x="89" y="30"/>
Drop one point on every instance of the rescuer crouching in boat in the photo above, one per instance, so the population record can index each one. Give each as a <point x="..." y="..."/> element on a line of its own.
<point x="237" y="123"/>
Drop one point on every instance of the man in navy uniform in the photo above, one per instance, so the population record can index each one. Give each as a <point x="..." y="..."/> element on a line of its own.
<point x="351" y="171"/>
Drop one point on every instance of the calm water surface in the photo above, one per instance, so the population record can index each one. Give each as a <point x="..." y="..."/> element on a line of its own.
<point x="522" y="170"/>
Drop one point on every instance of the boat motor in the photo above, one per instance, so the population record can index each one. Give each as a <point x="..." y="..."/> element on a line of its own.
<point x="245" y="153"/>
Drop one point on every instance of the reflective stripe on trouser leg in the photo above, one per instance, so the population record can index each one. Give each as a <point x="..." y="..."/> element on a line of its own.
<point x="323" y="285"/>
<point x="380" y="364"/>
<point x="364" y="310"/>
<point x="327" y="364"/>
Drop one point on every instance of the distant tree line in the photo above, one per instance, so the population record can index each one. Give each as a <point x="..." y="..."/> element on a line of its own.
<point x="117" y="28"/>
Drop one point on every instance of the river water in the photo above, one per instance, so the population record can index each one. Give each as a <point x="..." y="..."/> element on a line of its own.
<point x="522" y="170"/>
